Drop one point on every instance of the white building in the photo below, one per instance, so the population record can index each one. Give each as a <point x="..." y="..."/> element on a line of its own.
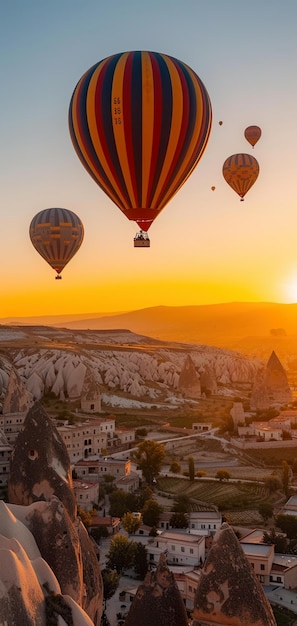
<point x="87" y="439"/>
<point x="86" y="494"/>
<point x="5" y="453"/>
<point x="180" y="548"/>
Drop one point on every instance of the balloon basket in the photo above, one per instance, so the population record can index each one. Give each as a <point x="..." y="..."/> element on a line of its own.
<point x="58" y="277"/>
<point x="141" y="240"/>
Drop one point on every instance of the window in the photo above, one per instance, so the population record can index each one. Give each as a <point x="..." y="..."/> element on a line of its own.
<point x="182" y="549"/>
<point x="172" y="547"/>
<point x="191" y="551"/>
<point x="262" y="567"/>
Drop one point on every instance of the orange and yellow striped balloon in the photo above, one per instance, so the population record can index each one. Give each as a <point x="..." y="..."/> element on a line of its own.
<point x="241" y="172"/>
<point x="140" y="122"/>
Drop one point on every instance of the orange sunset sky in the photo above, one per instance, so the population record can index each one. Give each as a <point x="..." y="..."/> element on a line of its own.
<point x="206" y="246"/>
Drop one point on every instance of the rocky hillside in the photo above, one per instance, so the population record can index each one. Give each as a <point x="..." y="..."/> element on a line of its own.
<point x="129" y="368"/>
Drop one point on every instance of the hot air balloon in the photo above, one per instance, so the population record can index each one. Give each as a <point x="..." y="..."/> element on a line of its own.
<point x="140" y="122"/>
<point x="252" y="134"/>
<point x="213" y="188"/>
<point x="57" y="235"/>
<point x="220" y="123"/>
<point x="241" y="172"/>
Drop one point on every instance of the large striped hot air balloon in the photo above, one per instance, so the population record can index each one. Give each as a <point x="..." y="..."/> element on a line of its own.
<point x="252" y="134"/>
<point x="57" y="235"/>
<point x="241" y="172"/>
<point x="140" y="122"/>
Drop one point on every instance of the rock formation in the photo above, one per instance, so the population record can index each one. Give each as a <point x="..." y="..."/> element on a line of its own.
<point x="30" y="592"/>
<point x="271" y="388"/>
<point x="17" y="399"/>
<point x="90" y="397"/>
<point x="40" y="465"/>
<point x="228" y="591"/>
<point x="158" y="601"/>
<point x="208" y="381"/>
<point x="189" y="380"/>
<point x="42" y="507"/>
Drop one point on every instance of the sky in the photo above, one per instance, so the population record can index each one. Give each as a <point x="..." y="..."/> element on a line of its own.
<point x="207" y="247"/>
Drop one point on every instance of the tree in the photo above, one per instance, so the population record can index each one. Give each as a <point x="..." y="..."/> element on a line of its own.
<point x="118" y="503"/>
<point x="191" y="468"/>
<point x="266" y="510"/>
<point x="110" y="580"/>
<point x="130" y="523"/>
<point x="149" y="457"/>
<point x="179" y="520"/>
<point x="223" y="474"/>
<point x="175" y="467"/>
<point x="85" y="517"/>
<point x="280" y="541"/>
<point x="288" y="524"/>
<point x="272" y="483"/>
<point x="151" y="512"/>
<point x="285" y="477"/>
<point x="121" y="553"/>
<point x="181" y="504"/>
<point x="140" y="560"/>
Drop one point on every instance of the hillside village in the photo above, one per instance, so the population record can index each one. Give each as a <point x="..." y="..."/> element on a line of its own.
<point x="97" y="448"/>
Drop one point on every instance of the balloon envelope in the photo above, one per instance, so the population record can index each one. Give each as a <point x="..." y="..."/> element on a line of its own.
<point x="140" y="122"/>
<point x="252" y="134"/>
<point x="241" y="172"/>
<point x="57" y="235"/>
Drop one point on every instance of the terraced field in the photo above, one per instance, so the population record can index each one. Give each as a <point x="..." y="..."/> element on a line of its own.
<point x="225" y="495"/>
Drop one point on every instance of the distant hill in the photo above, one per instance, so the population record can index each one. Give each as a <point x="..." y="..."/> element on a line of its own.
<point x="251" y="327"/>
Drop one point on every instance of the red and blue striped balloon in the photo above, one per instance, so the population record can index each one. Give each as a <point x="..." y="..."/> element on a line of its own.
<point x="140" y="122"/>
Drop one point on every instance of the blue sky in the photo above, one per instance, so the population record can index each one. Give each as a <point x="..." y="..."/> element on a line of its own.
<point x="205" y="246"/>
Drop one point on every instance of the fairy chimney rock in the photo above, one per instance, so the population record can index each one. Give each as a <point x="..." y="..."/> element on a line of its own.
<point x="271" y="387"/>
<point x="228" y="591"/>
<point x="158" y="600"/>
<point x="189" y="379"/>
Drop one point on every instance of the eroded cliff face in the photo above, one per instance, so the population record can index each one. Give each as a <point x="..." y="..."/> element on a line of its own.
<point x="271" y="387"/>
<point x="42" y="517"/>
<point x="40" y="465"/>
<point x="228" y="591"/>
<point x="158" y="601"/>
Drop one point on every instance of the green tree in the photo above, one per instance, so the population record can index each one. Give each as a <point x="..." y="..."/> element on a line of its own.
<point x="151" y="512"/>
<point x="191" y="468"/>
<point x="285" y="477"/>
<point x="118" y="503"/>
<point x="121" y="553"/>
<point x="140" y="560"/>
<point x="181" y="504"/>
<point x="272" y="483"/>
<point x="288" y="524"/>
<point x="149" y="456"/>
<point x="85" y="517"/>
<point x="280" y="541"/>
<point x="266" y="510"/>
<point x="110" y="580"/>
<point x="223" y="474"/>
<point x="179" y="520"/>
<point x="130" y="523"/>
<point x="175" y="467"/>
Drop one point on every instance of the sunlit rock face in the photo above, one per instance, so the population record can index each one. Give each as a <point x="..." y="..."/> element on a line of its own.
<point x="57" y="540"/>
<point x="228" y="591"/>
<point x="30" y="594"/>
<point x="158" y="601"/>
<point x="271" y="387"/>
<point x="40" y="465"/>
<point x="93" y="587"/>
<point x="189" y="380"/>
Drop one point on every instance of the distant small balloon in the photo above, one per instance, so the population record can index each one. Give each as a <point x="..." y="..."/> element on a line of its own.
<point x="252" y="134"/>
<point x="220" y="122"/>
<point x="212" y="188"/>
<point x="56" y="234"/>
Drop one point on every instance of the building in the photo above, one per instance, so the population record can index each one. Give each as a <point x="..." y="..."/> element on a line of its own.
<point x="180" y="548"/>
<point x="88" y="439"/>
<point x="86" y="494"/>
<point x="5" y="453"/>
<point x="201" y="427"/>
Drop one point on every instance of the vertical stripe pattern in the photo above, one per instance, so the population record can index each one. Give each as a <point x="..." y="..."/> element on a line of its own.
<point x="56" y="234"/>
<point x="140" y="122"/>
<point x="252" y="134"/>
<point x="241" y="172"/>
